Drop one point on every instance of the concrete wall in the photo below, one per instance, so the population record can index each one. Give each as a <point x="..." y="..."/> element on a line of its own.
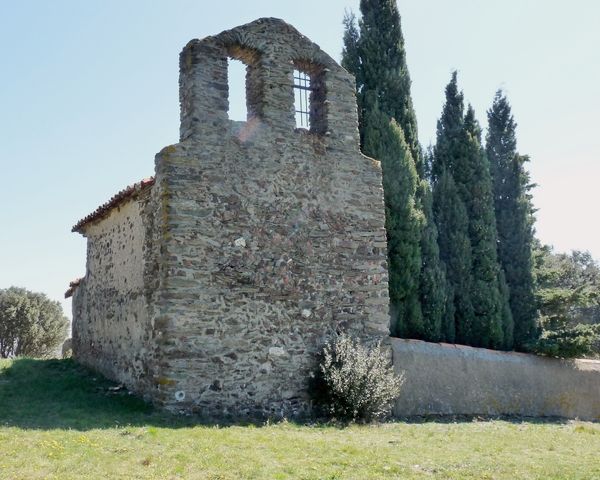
<point x="452" y="379"/>
<point x="274" y="235"/>
<point x="111" y="323"/>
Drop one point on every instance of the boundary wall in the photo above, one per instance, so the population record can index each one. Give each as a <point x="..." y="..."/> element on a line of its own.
<point x="459" y="380"/>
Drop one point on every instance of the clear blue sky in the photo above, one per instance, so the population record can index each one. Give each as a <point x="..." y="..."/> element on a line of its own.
<point x="88" y="95"/>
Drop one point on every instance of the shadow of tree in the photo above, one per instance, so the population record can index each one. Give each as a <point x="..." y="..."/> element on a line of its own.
<point x="515" y="419"/>
<point x="61" y="394"/>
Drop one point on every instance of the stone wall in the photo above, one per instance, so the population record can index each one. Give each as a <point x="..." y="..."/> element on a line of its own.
<point x="111" y="323"/>
<point x="275" y="234"/>
<point x="454" y="379"/>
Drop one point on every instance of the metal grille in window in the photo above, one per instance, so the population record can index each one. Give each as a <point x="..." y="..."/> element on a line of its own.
<point x="302" y="91"/>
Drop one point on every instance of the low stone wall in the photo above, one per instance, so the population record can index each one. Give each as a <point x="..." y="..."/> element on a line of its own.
<point x="454" y="379"/>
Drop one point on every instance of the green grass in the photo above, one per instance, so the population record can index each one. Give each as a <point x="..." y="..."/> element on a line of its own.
<point x="59" y="421"/>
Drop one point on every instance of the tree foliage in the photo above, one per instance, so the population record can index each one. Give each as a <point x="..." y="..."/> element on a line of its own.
<point x="464" y="213"/>
<point x="568" y="294"/>
<point x="351" y="52"/>
<point x="493" y="322"/>
<point x="374" y="53"/>
<point x="568" y="342"/>
<point x="568" y="286"/>
<point x="514" y="217"/>
<point x="30" y="324"/>
<point x="380" y="66"/>
<point x="384" y="140"/>
<point x="452" y="222"/>
<point x="433" y="293"/>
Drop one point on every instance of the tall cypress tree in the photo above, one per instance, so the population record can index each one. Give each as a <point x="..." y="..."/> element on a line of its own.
<point x="514" y="217"/>
<point x="508" y="325"/>
<point x="383" y="67"/>
<point x="384" y="140"/>
<point x="493" y="322"/>
<point x="432" y="281"/>
<point x="375" y="54"/>
<point x="451" y="218"/>
<point x="450" y="144"/>
<point x="452" y="222"/>
<point x="350" y="52"/>
<point x="464" y="213"/>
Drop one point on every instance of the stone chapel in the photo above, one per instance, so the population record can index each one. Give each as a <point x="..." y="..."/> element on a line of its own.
<point x="211" y="286"/>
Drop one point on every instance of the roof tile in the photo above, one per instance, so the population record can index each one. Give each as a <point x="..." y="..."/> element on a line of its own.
<point x="115" y="201"/>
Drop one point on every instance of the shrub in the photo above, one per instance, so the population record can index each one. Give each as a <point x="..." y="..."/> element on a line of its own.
<point x="354" y="382"/>
<point x="30" y="324"/>
<point x="568" y="342"/>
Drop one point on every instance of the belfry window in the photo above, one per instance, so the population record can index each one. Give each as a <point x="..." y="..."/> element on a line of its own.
<point x="236" y="73"/>
<point x="310" y="95"/>
<point x="302" y="99"/>
<point x="245" y="92"/>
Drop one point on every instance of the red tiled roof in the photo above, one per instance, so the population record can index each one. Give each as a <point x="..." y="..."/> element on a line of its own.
<point x="72" y="286"/>
<point x="116" y="200"/>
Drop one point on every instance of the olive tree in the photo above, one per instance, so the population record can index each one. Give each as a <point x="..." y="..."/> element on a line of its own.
<point x="30" y="324"/>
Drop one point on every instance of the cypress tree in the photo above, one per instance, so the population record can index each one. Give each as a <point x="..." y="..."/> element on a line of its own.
<point x="455" y="252"/>
<point x="432" y="281"/>
<point x="464" y="213"/>
<point x="514" y="217"/>
<point x="383" y="67"/>
<point x="451" y="218"/>
<point x="350" y="54"/>
<point x="384" y="139"/>
<point x="472" y="176"/>
<point x="508" y="325"/>
<point x="450" y="144"/>
<point x="375" y="54"/>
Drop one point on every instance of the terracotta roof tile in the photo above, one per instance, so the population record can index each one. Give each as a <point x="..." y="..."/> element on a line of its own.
<point x="116" y="200"/>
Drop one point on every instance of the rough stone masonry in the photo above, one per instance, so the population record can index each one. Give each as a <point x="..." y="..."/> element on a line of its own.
<point x="211" y="286"/>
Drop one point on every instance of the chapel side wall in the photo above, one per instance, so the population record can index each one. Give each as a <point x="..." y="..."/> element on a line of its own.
<point x="275" y="238"/>
<point x="443" y="379"/>
<point x="112" y="327"/>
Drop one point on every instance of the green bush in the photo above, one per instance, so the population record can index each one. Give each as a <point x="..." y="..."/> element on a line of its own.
<point x="30" y="324"/>
<point x="354" y="382"/>
<point x="568" y="342"/>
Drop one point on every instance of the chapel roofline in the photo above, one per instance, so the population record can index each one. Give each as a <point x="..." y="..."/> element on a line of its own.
<point x="118" y="199"/>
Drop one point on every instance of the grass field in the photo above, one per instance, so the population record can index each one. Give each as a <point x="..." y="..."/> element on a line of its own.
<point x="59" y="421"/>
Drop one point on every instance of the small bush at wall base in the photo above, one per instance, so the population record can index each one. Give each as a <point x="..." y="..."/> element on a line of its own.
<point x="354" y="382"/>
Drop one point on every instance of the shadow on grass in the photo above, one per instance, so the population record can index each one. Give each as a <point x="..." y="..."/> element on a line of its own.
<point x="62" y="394"/>
<point x="449" y="419"/>
<point x="49" y="394"/>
